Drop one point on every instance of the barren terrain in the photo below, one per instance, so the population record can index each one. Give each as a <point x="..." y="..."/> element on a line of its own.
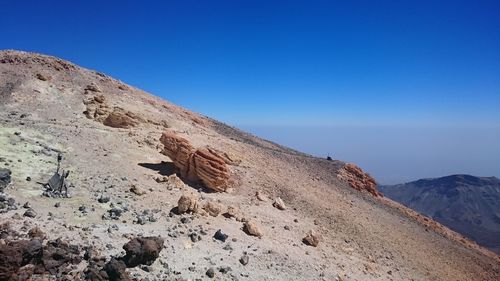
<point x="49" y="106"/>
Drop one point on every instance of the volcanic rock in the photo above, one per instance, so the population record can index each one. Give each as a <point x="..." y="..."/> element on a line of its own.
<point x="142" y="250"/>
<point x="116" y="270"/>
<point x="219" y="235"/>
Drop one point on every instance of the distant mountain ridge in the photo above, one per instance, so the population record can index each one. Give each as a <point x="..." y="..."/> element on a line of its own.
<point x="467" y="204"/>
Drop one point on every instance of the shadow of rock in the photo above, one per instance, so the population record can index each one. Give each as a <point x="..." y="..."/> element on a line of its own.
<point x="163" y="168"/>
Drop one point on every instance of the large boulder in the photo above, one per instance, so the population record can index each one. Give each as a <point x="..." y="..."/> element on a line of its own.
<point x="203" y="165"/>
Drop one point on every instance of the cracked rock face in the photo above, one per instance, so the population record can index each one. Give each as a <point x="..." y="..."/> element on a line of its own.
<point x="197" y="165"/>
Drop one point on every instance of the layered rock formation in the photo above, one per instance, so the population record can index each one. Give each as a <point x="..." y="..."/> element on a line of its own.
<point x="358" y="179"/>
<point x="115" y="117"/>
<point x="196" y="165"/>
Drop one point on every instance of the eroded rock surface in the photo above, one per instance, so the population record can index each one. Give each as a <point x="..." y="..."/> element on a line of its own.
<point x="99" y="110"/>
<point x="197" y="165"/>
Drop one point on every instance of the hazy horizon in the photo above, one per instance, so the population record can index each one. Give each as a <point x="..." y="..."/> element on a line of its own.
<point x="395" y="154"/>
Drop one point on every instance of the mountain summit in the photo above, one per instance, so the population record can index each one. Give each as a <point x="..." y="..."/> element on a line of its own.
<point x="158" y="192"/>
<point x="467" y="204"/>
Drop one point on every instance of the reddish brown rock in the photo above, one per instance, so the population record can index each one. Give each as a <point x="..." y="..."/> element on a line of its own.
<point x="197" y="165"/>
<point x="179" y="150"/>
<point x="211" y="169"/>
<point x="358" y="179"/>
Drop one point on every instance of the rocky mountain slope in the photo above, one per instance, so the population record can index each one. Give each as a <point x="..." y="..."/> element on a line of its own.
<point x="467" y="204"/>
<point x="157" y="192"/>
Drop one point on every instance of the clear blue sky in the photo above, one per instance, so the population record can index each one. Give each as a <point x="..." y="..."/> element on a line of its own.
<point x="400" y="64"/>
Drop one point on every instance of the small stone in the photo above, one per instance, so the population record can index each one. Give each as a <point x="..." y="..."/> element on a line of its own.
<point x="279" y="204"/>
<point x="194" y="237"/>
<point x="219" y="235"/>
<point x="28" y="178"/>
<point x="137" y="190"/>
<point x="30" y="213"/>
<point x="103" y="199"/>
<point x="27" y="205"/>
<point x="57" y="205"/>
<point x="244" y="260"/>
<point x="286" y="227"/>
<point x="83" y="209"/>
<point x="211" y="272"/>
<point x="251" y="228"/>
<point x="311" y="239"/>
<point x="225" y="269"/>
<point x="187" y="203"/>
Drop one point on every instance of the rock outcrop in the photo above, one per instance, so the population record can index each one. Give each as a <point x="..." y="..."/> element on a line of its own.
<point x="203" y="165"/>
<point x="116" y="117"/>
<point x="358" y="179"/>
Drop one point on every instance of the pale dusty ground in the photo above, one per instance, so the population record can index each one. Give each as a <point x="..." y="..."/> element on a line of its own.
<point x="364" y="238"/>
